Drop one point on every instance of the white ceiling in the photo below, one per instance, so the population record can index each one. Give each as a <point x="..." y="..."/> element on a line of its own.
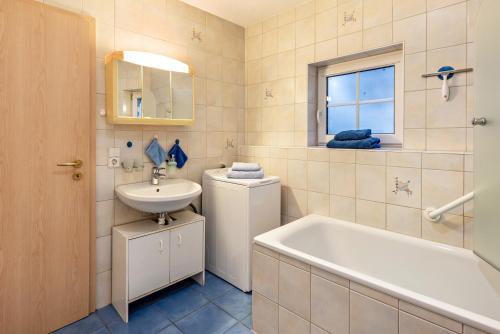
<point x="244" y="12"/>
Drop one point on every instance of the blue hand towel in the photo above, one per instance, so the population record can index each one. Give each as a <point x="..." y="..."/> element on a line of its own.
<point x="178" y="153"/>
<point x="156" y="153"/>
<point x="368" y="143"/>
<point x="353" y="134"/>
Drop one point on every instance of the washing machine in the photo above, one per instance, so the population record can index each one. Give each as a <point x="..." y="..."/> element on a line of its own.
<point x="237" y="210"/>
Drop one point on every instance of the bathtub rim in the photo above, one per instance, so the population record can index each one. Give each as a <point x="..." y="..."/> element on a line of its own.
<point x="272" y="240"/>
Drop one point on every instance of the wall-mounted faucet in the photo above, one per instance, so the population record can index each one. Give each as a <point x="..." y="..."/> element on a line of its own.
<point x="156" y="175"/>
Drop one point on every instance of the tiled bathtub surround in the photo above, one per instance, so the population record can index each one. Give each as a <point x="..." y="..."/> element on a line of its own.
<point x="300" y="298"/>
<point x="360" y="186"/>
<point x="435" y="33"/>
<point x="164" y="27"/>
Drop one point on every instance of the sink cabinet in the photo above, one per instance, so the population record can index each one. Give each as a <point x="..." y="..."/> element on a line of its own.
<point x="148" y="257"/>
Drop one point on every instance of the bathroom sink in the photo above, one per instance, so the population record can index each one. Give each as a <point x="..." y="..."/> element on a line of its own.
<point x="170" y="195"/>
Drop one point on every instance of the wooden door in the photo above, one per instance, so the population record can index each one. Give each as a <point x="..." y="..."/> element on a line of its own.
<point x="47" y="97"/>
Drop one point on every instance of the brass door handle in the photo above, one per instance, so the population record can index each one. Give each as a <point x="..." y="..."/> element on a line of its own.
<point x="75" y="164"/>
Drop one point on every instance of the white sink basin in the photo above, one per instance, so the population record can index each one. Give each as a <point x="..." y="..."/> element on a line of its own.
<point x="170" y="195"/>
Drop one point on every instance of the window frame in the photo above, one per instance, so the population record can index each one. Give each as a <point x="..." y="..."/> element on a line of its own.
<point x="355" y="66"/>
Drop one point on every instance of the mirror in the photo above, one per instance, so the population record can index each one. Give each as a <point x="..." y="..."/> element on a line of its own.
<point x="144" y="88"/>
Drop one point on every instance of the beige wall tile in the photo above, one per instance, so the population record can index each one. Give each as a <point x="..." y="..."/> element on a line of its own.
<point x="294" y="262"/>
<point x="103" y="289"/>
<point x="304" y="10"/>
<point x="351" y="43"/>
<point x="370" y="182"/>
<point x="104" y="217"/>
<point x="441" y="187"/>
<point x="449" y="231"/>
<point x="377" y="36"/>
<point x="294" y="290"/>
<point x="452" y="139"/>
<point x="289" y="323"/>
<point x="286" y="37"/>
<point x="455" y="56"/>
<point x="443" y="161"/>
<point x="404" y="159"/>
<point x="435" y="4"/>
<point x="286" y="17"/>
<point x="329" y="305"/>
<point x="318" y="178"/>
<point x="303" y="57"/>
<point x="343" y="179"/>
<point x="286" y="64"/>
<point x="317" y="330"/>
<point x="326" y="50"/>
<point x="376" y="12"/>
<point x="269" y="43"/>
<point x="415" y="66"/>
<point x="370" y="157"/>
<point x="265" y="318"/>
<point x="105" y="188"/>
<point x="446" y="114"/>
<point x="377" y="295"/>
<point x="370" y="316"/>
<point x="411" y="176"/>
<point x="322" y="5"/>
<point x="330" y="277"/>
<point x="270" y="24"/>
<point x="345" y="156"/>
<point x="414" y="139"/>
<point x="447" y="26"/>
<point x="350" y="17"/>
<point x="318" y="203"/>
<point x="254" y="47"/>
<point x="410" y="324"/>
<point x="326" y="25"/>
<point x="471" y="330"/>
<point x="297" y="202"/>
<point x="370" y="213"/>
<point x="415" y="109"/>
<point x="265" y="275"/>
<point x="304" y="32"/>
<point x="103" y="253"/>
<point x="297" y="174"/>
<point x="435" y="318"/>
<point x="404" y="220"/>
<point x="343" y="208"/>
<point x="407" y="8"/>
<point x="412" y="31"/>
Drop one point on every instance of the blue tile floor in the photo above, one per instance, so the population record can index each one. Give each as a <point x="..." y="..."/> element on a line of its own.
<point x="184" y="308"/>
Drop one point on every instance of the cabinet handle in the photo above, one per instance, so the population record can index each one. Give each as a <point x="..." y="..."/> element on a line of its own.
<point x="179" y="239"/>
<point x="161" y="245"/>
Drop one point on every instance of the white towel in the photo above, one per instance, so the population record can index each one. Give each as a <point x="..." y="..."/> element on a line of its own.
<point x="236" y="174"/>
<point x="246" y="166"/>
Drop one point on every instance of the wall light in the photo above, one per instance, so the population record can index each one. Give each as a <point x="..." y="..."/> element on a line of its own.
<point x="155" y="61"/>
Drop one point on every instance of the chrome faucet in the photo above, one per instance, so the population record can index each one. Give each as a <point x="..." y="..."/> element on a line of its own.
<point x="156" y="175"/>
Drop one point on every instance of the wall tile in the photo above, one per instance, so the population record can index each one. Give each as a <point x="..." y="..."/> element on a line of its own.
<point x="412" y="31"/>
<point x="415" y="109"/>
<point x="297" y="202"/>
<point x="343" y="208"/>
<point x="377" y="36"/>
<point x="104" y="217"/>
<point x="265" y="277"/>
<point x="105" y="188"/>
<point x="446" y="114"/>
<point x="286" y="37"/>
<point x="415" y="66"/>
<point x="452" y="139"/>
<point x="443" y="161"/>
<point x="370" y="316"/>
<point x="343" y="179"/>
<point x="435" y="318"/>
<point x="351" y="43"/>
<point x="447" y="26"/>
<point x="297" y="174"/>
<point x="404" y="220"/>
<point x="329" y="305"/>
<point x="414" y="139"/>
<point x="376" y="12"/>
<point x="370" y="157"/>
<point x="270" y="43"/>
<point x="404" y="159"/>
<point x="370" y="213"/>
<point x="318" y="203"/>
<point x="103" y="289"/>
<point x="410" y="324"/>
<point x="449" y="231"/>
<point x="398" y="195"/>
<point x="441" y="187"/>
<point x="318" y="178"/>
<point x="103" y="254"/>
<point x="289" y="323"/>
<point x="326" y="50"/>
<point x="294" y="290"/>
<point x="350" y="17"/>
<point x="370" y="182"/>
<point x="455" y="56"/>
<point x="265" y="316"/>
<point x="407" y="8"/>
<point x="326" y="25"/>
<point x="304" y="32"/>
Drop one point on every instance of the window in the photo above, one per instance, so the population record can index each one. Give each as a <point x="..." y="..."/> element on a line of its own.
<point x="361" y="94"/>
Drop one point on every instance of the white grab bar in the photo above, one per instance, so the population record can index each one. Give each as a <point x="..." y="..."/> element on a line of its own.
<point x="434" y="214"/>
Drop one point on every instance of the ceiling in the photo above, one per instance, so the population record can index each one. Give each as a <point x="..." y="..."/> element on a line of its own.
<point x="244" y="12"/>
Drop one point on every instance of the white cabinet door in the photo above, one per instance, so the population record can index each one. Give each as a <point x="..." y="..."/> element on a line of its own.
<point x="148" y="263"/>
<point x="186" y="250"/>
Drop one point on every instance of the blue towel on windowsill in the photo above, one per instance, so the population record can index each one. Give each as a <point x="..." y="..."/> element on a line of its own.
<point x="368" y="143"/>
<point x="156" y="153"/>
<point x="353" y="134"/>
<point x="178" y="153"/>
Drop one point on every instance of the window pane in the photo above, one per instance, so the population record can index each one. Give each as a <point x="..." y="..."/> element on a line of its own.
<point x="376" y="84"/>
<point x="341" y="118"/>
<point x="377" y="116"/>
<point x="342" y="88"/>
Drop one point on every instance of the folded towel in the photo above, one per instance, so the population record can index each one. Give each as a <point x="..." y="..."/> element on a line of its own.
<point x="353" y="134"/>
<point x="156" y="153"/>
<point x="368" y="143"/>
<point x="235" y="174"/>
<point x="245" y="166"/>
<point x="178" y="153"/>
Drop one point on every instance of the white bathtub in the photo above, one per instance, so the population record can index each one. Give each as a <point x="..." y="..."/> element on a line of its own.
<point x="447" y="280"/>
